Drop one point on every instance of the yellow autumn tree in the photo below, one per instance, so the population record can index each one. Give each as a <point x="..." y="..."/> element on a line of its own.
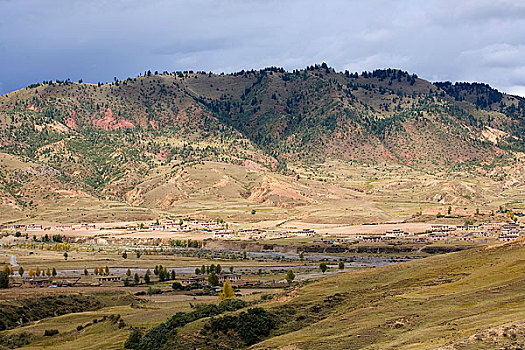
<point x="31" y="273"/>
<point x="48" y="272"/>
<point x="37" y="271"/>
<point x="227" y="291"/>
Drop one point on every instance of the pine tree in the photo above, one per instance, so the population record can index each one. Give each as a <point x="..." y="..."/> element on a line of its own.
<point x="213" y="279"/>
<point x="4" y="279"/>
<point x="290" y="276"/>
<point x="323" y="267"/>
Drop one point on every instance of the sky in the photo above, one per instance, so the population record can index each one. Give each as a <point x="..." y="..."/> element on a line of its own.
<point x="438" y="40"/>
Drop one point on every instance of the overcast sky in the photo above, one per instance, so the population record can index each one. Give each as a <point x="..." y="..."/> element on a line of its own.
<point x="97" y="40"/>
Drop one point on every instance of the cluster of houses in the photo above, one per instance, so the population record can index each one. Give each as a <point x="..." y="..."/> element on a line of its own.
<point x="40" y="227"/>
<point x="467" y="232"/>
<point x="209" y="226"/>
<point x="257" y="234"/>
<point x="235" y="280"/>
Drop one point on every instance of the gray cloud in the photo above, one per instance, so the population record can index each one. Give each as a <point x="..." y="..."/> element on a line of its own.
<point x="97" y="40"/>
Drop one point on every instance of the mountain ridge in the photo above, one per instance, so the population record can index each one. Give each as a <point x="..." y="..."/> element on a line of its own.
<point x="106" y="140"/>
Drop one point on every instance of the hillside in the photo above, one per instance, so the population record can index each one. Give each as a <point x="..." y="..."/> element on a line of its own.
<point x="276" y="134"/>
<point x="465" y="300"/>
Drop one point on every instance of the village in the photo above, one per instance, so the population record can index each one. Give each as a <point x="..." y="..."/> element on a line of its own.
<point x="502" y="231"/>
<point x="265" y="267"/>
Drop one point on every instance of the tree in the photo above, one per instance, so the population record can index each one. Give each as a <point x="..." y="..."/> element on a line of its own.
<point x="128" y="272"/>
<point x="449" y="210"/>
<point x="136" y="278"/>
<point x="156" y="270"/>
<point x="37" y="271"/>
<point x="4" y="279"/>
<point x="197" y="271"/>
<point x="86" y="273"/>
<point x="203" y="269"/>
<point x="172" y="274"/>
<point x="290" y="276"/>
<point x="65" y="255"/>
<point x="95" y="271"/>
<point x="21" y="271"/>
<point x="6" y="269"/>
<point x="146" y="278"/>
<point x="218" y="269"/>
<point x="253" y="211"/>
<point x="231" y="269"/>
<point x="227" y="291"/>
<point x="213" y="279"/>
<point x="107" y="270"/>
<point x="323" y="267"/>
<point x="341" y="265"/>
<point x="31" y="273"/>
<point x="244" y="254"/>
<point x="124" y="255"/>
<point x="301" y="256"/>
<point x="138" y="254"/>
<point x="53" y="272"/>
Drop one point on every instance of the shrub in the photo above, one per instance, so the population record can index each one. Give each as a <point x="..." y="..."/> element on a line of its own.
<point x="251" y="326"/>
<point x="50" y="332"/>
<point x="4" y="280"/>
<point x="134" y="339"/>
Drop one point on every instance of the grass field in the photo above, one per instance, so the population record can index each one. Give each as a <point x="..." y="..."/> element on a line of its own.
<point x="423" y="304"/>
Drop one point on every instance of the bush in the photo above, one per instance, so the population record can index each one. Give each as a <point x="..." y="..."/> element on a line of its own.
<point x="50" y="332"/>
<point x="12" y="341"/>
<point x="251" y="326"/>
<point x="158" y="336"/>
<point x="4" y="280"/>
<point x="134" y="339"/>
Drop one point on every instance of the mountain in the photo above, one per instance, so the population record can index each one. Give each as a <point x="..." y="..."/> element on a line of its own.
<point x="137" y="142"/>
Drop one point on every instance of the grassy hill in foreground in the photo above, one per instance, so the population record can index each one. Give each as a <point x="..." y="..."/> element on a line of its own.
<point x="468" y="300"/>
